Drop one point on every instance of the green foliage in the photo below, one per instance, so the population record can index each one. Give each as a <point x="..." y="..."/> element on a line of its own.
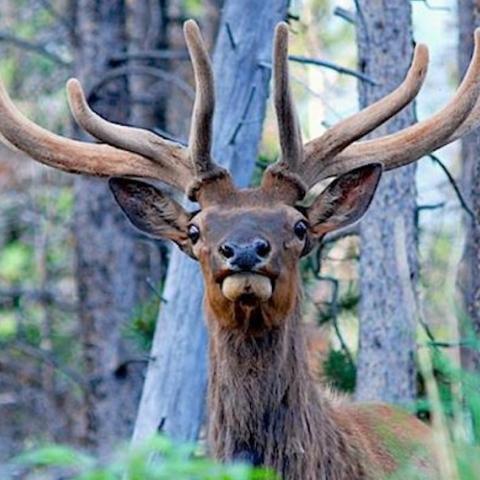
<point x="8" y="326"/>
<point x="193" y="8"/>
<point x="15" y="261"/>
<point x="141" y="327"/>
<point x="172" y="462"/>
<point x="339" y="371"/>
<point x="262" y="163"/>
<point x="346" y="304"/>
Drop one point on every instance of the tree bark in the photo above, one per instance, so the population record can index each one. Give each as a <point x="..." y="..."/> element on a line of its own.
<point x="386" y="367"/>
<point x="174" y="390"/>
<point x="469" y="271"/>
<point x="110" y="258"/>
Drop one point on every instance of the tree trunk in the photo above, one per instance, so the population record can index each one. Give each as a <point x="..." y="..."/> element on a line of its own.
<point x="110" y="257"/>
<point x="386" y="367"/>
<point x="469" y="271"/>
<point x="148" y="31"/>
<point x="174" y="390"/>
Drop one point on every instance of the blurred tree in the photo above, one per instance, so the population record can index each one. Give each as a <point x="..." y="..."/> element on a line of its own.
<point x="113" y="263"/>
<point x="174" y="391"/>
<point x="469" y="271"/>
<point x="386" y="367"/>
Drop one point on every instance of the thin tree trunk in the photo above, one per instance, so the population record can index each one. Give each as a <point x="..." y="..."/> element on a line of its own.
<point x="148" y="31"/>
<point x="386" y="367"/>
<point x="174" y="390"/>
<point x="469" y="271"/>
<point x="106" y="250"/>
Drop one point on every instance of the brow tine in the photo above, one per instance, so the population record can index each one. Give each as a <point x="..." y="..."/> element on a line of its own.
<point x="137" y="140"/>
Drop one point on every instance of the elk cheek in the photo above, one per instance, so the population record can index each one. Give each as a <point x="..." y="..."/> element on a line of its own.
<point x="286" y="292"/>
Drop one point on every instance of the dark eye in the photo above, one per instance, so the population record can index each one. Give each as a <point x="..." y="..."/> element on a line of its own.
<point x="300" y="229"/>
<point x="193" y="233"/>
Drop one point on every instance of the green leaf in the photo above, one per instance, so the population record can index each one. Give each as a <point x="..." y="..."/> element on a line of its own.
<point x="55" y="455"/>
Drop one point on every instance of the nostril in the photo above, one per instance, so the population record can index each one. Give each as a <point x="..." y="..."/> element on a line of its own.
<point x="262" y="247"/>
<point x="226" y="250"/>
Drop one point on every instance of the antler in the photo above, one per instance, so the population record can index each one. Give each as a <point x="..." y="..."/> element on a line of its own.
<point x="335" y="152"/>
<point x="458" y="117"/>
<point x="128" y="151"/>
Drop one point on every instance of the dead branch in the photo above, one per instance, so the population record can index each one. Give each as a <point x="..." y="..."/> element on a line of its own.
<point x="152" y="55"/>
<point x="333" y="66"/>
<point x="48" y="358"/>
<point x="455" y="187"/>
<point x="33" y="47"/>
<point x="345" y="14"/>
<point x="128" y="70"/>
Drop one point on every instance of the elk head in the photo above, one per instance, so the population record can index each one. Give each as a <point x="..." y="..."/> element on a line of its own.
<point x="249" y="241"/>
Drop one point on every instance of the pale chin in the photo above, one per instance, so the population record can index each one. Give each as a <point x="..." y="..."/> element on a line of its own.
<point x="245" y="284"/>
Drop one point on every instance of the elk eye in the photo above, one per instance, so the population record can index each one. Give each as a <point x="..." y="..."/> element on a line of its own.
<point x="300" y="229"/>
<point x="193" y="233"/>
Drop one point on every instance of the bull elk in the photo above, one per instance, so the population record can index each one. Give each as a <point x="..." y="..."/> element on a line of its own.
<point x="263" y="405"/>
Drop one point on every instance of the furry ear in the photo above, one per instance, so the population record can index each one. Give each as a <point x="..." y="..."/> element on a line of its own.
<point x="151" y="211"/>
<point x="345" y="200"/>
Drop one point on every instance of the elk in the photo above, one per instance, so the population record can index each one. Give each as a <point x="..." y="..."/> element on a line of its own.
<point x="263" y="405"/>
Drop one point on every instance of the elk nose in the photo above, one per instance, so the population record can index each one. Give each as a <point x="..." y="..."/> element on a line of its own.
<point x="246" y="256"/>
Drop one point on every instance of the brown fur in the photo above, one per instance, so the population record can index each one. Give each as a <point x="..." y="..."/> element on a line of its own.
<point x="265" y="408"/>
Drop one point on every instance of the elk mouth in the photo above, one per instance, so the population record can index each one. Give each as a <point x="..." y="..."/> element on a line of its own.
<point x="247" y="287"/>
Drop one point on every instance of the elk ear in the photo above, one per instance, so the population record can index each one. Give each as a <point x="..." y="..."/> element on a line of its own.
<point x="151" y="211"/>
<point x="345" y="200"/>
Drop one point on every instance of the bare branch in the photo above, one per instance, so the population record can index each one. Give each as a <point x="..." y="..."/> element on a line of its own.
<point x="455" y="187"/>
<point x="152" y="55"/>
<point x="326" y="64"/>
<point x="127" y="70"/>
<point x="49" y="359"/>
<point x="333" y="66"/>
<point x="334" y="315"/>
<point x="33" y="47"/>
<point x="434" y="7"/>
<point x="345" y="14"/>
<point x="430" y="206"/>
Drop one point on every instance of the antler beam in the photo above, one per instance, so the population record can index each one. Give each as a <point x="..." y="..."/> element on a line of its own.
<point x="296" y="161"/>
<point x="458" y="117"/>
<point x="127" y="151"/>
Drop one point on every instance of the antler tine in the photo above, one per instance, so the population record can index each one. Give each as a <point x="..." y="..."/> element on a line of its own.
<point x="147" y="143"/>
<point x="200" y="141"/>
<point x="335" y="139"/>
<point x="78" y="157"/>
<point x="288" y="125"/>
<point x="136" y="140"/>
<point x="460" y="115"/>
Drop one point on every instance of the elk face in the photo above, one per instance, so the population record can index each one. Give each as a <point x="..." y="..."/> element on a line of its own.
<point x="248" y="257"/>
<point x="249" y="245"/>
<point x="249" y="242"/>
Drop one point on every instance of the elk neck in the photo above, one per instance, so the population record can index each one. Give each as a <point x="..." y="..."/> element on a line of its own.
<point x="265" y="409"/>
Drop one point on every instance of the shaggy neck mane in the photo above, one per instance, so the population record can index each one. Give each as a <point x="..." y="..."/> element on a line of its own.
<point x="265" y="409"/>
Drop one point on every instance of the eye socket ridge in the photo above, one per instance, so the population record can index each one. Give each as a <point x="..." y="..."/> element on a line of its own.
<point x="300" y="229"/>
<point x="193" y="233"/>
